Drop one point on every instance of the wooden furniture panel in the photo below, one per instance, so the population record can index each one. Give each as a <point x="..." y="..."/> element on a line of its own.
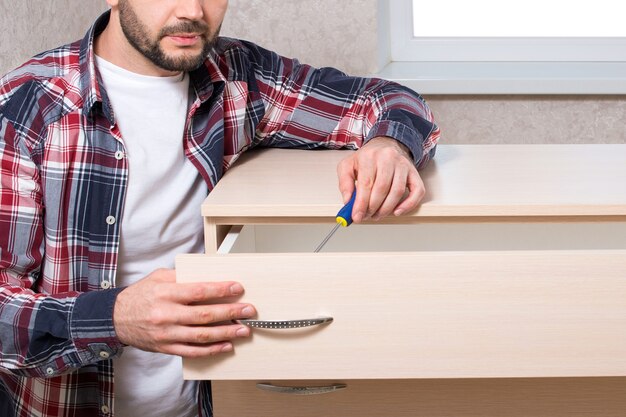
<point x="470" y="181"/>
<point x="424" y="315"/>
<point x="480" y="313"/>
<point x="523" y="397"/>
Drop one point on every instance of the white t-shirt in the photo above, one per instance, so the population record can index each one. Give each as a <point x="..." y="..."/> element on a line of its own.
<point x="161" y="219"/>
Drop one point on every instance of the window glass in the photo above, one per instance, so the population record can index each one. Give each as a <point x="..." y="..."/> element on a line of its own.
<point x="528" y="18"/>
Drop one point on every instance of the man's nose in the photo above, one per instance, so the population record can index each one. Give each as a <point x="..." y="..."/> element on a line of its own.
<point x="189" y="9"/>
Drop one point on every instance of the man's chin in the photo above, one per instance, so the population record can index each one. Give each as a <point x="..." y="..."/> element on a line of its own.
<point x="180" y="65"/>
<point x="179" y="60"/>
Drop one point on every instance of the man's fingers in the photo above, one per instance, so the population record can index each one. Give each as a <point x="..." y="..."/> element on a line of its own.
<point x="364" y="182"/>
<point x="416" y="193"/>
<point x="195" y="293"/>
<point x="215" y="313"/>
<point x="381" y="167"/>
<point x="346" y="174"/>
<point x="366" y="176"/>
<point x="203" y="335"/>
<point x="387" y="190"/>
<point x="394" y="194"/>
<point x="197" y="351"/>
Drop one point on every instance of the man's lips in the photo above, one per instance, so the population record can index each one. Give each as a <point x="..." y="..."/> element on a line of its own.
<point x="184" y="39"/>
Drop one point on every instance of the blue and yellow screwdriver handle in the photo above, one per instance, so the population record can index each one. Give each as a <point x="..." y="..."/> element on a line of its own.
<point x="343" y="218"/>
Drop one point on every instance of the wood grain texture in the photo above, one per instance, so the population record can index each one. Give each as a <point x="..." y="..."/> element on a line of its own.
<point x="514" y="181"/>
<point x="535" y="397"/>
<point x="425" y="315"/>
<point x="477" y="314"/>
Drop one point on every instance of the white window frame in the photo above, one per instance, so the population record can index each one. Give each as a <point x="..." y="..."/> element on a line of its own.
<point x="455" y="65"/>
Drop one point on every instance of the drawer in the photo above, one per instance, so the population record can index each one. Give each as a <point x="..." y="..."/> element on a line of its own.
<point x="462" y="313"/>
<point x="441" y="236"/>
<point x="433" y="316"/>
<point x="523" y="397"/>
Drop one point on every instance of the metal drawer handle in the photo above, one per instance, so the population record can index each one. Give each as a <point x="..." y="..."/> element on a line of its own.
<point x="285" y="324"/>
<point x="302" y="390"/>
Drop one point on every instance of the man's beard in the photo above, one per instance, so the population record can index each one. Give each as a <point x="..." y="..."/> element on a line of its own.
<point x="138" y="37"/>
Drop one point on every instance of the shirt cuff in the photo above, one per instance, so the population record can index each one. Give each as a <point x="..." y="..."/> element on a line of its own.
<point x="91" y="326"/>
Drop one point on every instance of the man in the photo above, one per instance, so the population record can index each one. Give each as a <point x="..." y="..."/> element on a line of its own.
<point x="108" y="147"/>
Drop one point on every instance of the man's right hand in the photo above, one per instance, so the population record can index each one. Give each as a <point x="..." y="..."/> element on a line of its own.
<point x="158" y="315"/>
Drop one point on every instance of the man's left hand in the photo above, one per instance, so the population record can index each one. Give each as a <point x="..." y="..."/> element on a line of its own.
<point x="383" y="171"/>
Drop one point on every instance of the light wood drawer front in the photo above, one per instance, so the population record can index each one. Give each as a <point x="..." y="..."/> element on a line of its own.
<point x="540" y="397"/>
<point x="424" y="315"/>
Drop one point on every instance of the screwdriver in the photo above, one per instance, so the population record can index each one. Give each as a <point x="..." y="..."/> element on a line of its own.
<point x="343" y="218"/>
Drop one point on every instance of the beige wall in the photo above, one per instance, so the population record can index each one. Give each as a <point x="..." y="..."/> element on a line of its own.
<point x="32" y="26"/>
<point x="531" y="119"/>
<point x="343" y="34"/>
<point x="334" y="33"/>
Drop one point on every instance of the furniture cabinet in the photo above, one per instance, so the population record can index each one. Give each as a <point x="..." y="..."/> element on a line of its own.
<point x="504" y="294"/>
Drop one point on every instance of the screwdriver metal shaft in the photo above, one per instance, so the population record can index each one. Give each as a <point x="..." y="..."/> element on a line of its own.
<point x="343" y="218"/>
<point x="328" y="236"/>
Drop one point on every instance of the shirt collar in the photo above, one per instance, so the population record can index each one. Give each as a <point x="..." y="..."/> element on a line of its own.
<point x="204" y="79"/>
<point x="91" y="86"/>
<point x="207" y="79"/>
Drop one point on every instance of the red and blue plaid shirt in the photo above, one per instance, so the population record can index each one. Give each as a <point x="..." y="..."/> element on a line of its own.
<point x="63" y="182"/>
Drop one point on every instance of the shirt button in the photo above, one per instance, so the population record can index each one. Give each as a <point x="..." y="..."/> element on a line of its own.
<point x="110" y="220"/>
<point x="104" y="354"/>
<point x="105" y="409"/>
<point x="49" y="371"/>
<point x="119" y="155"/>
<point x="105" y="285"/>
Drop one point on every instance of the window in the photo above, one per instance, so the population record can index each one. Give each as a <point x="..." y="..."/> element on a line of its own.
<point x="528" y="18"/>
<point x="530" y="46"/>
<point x="491" y="30"/>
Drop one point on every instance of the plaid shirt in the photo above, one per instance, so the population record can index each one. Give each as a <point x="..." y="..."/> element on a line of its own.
<point x="63" y="182"/>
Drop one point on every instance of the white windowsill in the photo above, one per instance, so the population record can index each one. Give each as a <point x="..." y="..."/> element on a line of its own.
<point x="509" y="77"/>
